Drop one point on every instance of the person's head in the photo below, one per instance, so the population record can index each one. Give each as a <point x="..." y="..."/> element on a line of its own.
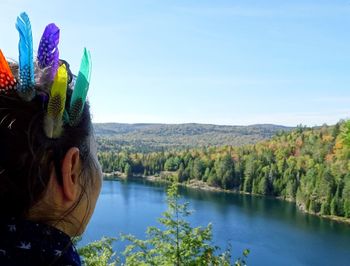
<point x="48" y="165"/>
<point x="56" y="181"/>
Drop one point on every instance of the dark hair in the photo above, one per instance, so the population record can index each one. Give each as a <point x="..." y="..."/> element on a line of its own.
<point x="27" y="155"/>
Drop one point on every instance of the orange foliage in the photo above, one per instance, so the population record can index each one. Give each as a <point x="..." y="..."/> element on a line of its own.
<point x="329" y="158"/>
<point x="327" y="138"/>
<point x="338" y="144"/>
<point x="299" y="142"/>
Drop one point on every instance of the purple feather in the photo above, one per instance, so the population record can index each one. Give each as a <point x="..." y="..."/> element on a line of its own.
<point x="48" y="56"/>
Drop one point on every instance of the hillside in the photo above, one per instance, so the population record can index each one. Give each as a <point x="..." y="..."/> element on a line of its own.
<point x="309" y="166"/>
<point x="157" y="137"/>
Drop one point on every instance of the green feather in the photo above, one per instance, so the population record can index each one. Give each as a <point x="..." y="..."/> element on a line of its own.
<point x="81" y="88"/>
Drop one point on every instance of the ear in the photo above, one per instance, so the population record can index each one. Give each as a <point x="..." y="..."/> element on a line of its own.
<point x="71" y="168"/>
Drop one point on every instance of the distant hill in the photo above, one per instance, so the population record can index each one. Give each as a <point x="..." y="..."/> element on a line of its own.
<point x="156" y="137"/>
<point x="309" y="166"/>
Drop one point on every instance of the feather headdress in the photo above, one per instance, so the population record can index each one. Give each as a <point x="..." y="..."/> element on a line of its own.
<point x="26" y="63"/>
<point x="50" y="79"/>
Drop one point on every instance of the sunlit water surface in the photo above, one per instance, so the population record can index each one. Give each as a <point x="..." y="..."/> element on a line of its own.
<point x="275" y="231"/>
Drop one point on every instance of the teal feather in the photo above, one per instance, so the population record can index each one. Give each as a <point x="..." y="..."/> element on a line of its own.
<point x="26" y="63"/>
<point x="81" y="88"/>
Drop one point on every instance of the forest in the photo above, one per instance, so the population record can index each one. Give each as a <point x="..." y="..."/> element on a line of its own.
<point x="147" y="138"/>
<point x="309" y="166"/>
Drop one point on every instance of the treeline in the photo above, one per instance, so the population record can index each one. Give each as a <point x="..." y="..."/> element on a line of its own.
<point x="147" y="138"/>
<point x="310" y="166"/>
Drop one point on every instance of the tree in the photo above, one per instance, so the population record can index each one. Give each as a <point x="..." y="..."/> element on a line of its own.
<point x="346" y="196"/>
<point x="206" y="174"/>
<point x="326" y="207"/>
<point x="345" y="133"/>
<point x="178" y="244"/>
<point x="334" y="206"/>
<point x="263" y="186"/>
<point x="99" y="253"/>
<point x="347" y="208"/>
<point x="181" y="175"/>
<point x="227" y="168"/>
<point x="198" y="169"/>
<point x="213" y="179"/>
<point x="128" y="170"/>
<point x="171" y="164"/>
<point x="249" y="173"/>
<point x="291" y="189"/>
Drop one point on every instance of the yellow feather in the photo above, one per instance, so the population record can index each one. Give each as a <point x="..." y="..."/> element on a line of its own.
<point x="56" y="105"/>
<point x="58" y="92"/>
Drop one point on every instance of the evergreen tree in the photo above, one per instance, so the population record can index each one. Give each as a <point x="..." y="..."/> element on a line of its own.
<point x="127" y="170"/>
<point x="178" y="244"/>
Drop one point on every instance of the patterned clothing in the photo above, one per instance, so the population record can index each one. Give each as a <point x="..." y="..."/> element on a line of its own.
<point x="28" y="243"/>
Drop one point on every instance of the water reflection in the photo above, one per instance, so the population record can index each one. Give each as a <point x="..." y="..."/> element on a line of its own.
<point x="276" y="231"/>
<point x="267" y="207"/>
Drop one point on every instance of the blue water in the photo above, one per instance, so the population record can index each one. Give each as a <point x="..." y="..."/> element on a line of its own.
<point x="275" y="231"/>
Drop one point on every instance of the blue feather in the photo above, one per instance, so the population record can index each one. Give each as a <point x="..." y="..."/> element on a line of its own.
<point x="26" y="63"/>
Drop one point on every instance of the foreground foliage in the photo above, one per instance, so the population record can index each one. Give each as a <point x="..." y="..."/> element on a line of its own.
<point x="99" y="253"/>
<point x="175" y="242"/>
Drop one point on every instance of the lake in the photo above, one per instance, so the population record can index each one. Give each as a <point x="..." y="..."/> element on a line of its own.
<point x="275" y="231"/>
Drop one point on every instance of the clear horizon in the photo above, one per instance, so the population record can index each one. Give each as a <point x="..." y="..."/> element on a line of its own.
<point x="210" y="124"/>
<point x="242" y="63"/>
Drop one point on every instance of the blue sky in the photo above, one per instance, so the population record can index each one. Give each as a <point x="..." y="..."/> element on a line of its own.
<point x="220" y="62"/>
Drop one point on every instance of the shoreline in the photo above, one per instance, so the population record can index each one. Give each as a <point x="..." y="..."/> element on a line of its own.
<point x="198" y="184"/>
